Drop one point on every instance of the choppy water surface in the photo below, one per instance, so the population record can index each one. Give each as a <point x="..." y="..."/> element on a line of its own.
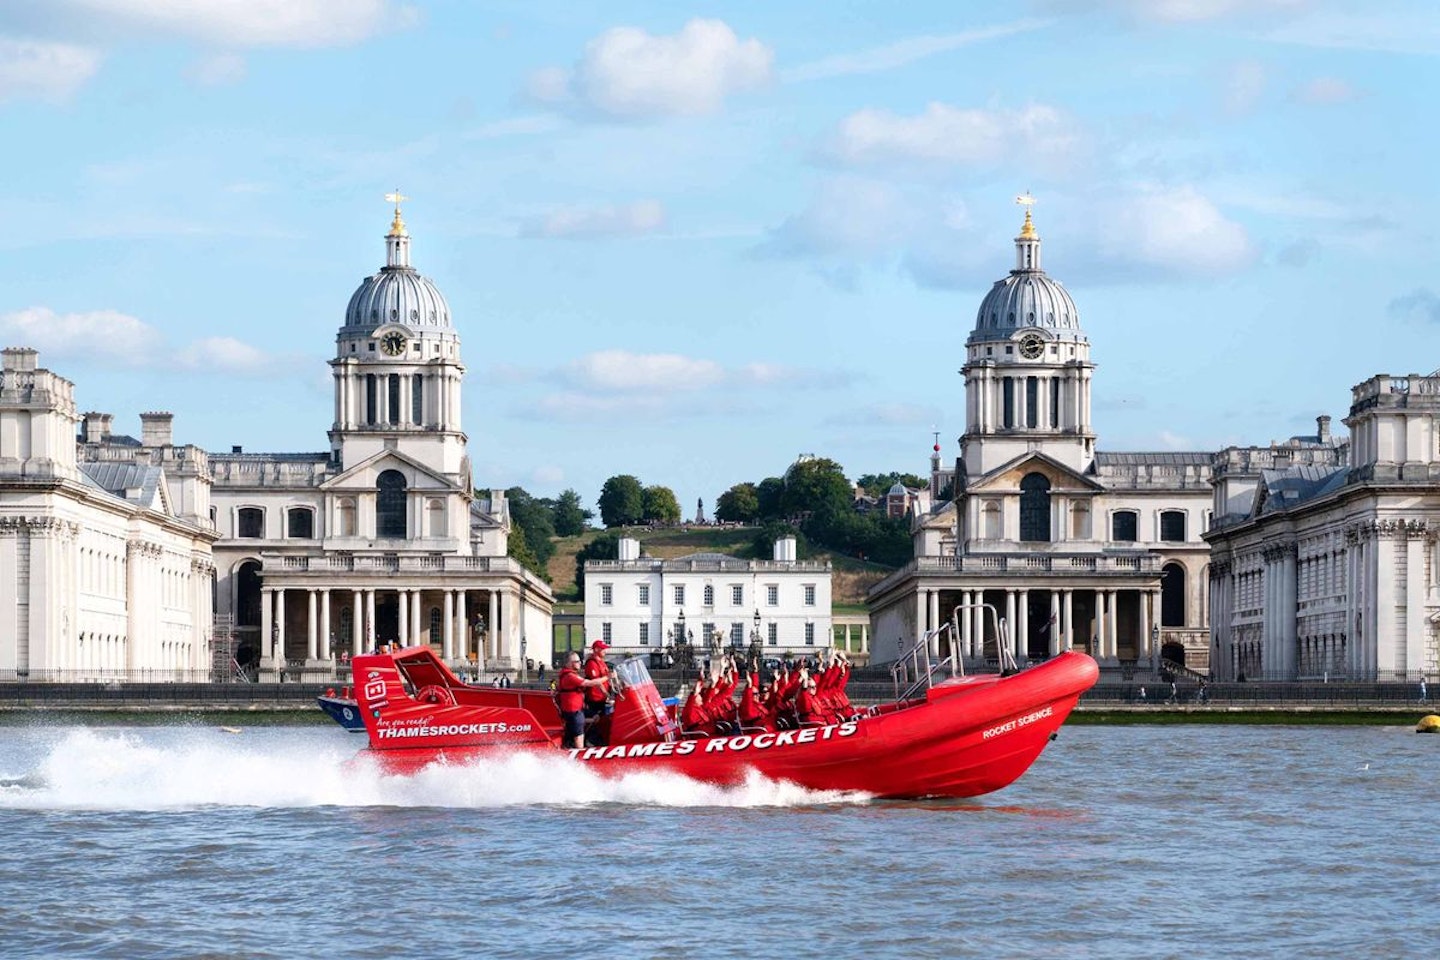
<point x="1120" y="842"/>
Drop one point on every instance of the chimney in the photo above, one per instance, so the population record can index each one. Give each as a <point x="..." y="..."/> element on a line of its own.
<point x="237" y="449"/>
<point x="20" y="359"/>
<point x="1322" y="428"/>
<point x="784" y="550"/>
<point x="97" y="427"/>
<point x="629" y="549"/>
<point x="155" y="429"/>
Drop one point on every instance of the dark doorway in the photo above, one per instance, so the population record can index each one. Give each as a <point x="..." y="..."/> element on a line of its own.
<point x="1037" y="646"/>
<point x="1174" y="652"/>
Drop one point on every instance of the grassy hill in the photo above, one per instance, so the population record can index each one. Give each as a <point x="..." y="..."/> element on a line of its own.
<point x="849" y="580"/>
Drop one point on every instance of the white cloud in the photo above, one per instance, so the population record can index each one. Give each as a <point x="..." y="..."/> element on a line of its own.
<point x="620" y="370"/>
<point x="547" y="475"/>
<point x="1176" y="11"/>
<point x="1362" y="31"/>
<point x="887" y="415"/>
<point x="241" y="23"/>
<point x="49" y="71"/>
<point x="627" y="73"/>
<point x="848" y="216"/>
<point x="220" y="70"/>
<point x="948" y="136"/>
<point x="1175" y="232"/>
<point x="1325" y="90"/>
<point x="1244" y="86"/>
<point x="624" y="220"/>
<point x="226" y="355"/>
<point x="96" y="335"/>
<point x="902" y="52"/>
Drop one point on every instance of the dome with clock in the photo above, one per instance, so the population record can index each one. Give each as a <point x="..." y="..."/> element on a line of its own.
<point x="397" y="293"/>
<point x="1027" y="298"/>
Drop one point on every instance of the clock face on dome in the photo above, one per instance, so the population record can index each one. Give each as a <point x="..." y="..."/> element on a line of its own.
<point x="1032" y="345"/>
<point x="393" y="344"/>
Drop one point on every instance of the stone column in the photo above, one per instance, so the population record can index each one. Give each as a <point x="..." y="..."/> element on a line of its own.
<point x="370" y="620"/>
<point x="312" y="625"/>
<point x="967" y="622"/>
<point x="1143" y="644"/>
<point x="280" y="624"/>
<point x="1112" y="625"/>
<point x="416" y="622"/>
<point x="357" y="623"/>
<point x="1010" y="623"/>
<point x="327" y="651"/>
<point x="402" y="618"/>
<point x="267" y="623"/>
<point x="1067" y="633"/>
<point x="1097" y="643"/>
<point x="492" y="628"/>
<point x="933" y="615"/>
<point x="920" y="620"/>
<point x="1022" y="634"/>
<point x="1052" y="640"/>
<point x="447" y="646"/>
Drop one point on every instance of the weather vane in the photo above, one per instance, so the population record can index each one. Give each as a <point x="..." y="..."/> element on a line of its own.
<point x="396" y="197"/>
<point x="1025" y="200"/>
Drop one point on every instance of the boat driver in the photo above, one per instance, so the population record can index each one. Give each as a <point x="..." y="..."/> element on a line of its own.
<point x="570" y="691"/>
<point x="597" y="695"/>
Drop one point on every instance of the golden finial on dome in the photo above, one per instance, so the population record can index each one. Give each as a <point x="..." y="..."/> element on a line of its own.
<point x="1027" y="231"/>
<point x="397" y="227"/>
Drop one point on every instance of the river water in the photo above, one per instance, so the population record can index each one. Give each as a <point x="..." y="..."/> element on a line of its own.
<point x="1202" y="841"/>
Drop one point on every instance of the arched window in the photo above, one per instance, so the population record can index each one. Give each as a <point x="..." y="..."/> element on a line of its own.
<point x="347" y="517"/>
<point x="1172" y="526"/>
<point x="247" y="594"/>
<point x="994" y="522"/>
<point x="1035" y="508"/>
<point x="1123" y="526"/>
<point x="390" y="506"/>
<point x="435" y="518"/>
<point x="300" y="523"/>
<point x="1172" y="595"/>
<point x="250" y="523"/>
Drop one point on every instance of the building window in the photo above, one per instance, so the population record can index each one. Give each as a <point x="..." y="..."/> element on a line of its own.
<point x="371" y="396"/>
<point x="709" y="595"/>
<point x="1172" y="526"/>
<point x="247" y="594"/>
<point x="642" y="594"/>
<point x="809" y="594"/>
<point x="737" y="595"/>
<point x="1007" y="389"/>
<point x="809" y="634"/>
<point x="606" y="632"/>
<point x="417" y="398"/>
<point x="644" y="634"/>
<point x="772" y="594"/>
<point x="1032" y="401"/>
<point x="300" y="524"/>
<point x="1035" y="508"/>
<point x="1124" y="526"/>
<point x="737" y="634"/>
<point x="1054" y="400"/>
<point x="393" y="396"/>
<point x="772" y="633"/>
<point x="435" y="517"/>
<point x="679" y="594"/>
<point x="390" y="506"/>
<point x="436" y="624"/>
<point x="250" y="523"/>
<point x="1172" y="595"/>
<point x="607" y="594"/>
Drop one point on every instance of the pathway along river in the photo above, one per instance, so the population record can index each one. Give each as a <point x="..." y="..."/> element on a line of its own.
<point x="1193" y="841"/>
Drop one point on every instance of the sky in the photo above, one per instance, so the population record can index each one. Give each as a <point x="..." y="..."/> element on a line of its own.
<point x="691" y="242"/>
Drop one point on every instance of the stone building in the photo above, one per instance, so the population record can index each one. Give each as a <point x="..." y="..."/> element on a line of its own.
<point x="1069" y="546"/>
<point x="380" y="537"/>
<point x="1324" y="552"/>
<point x="710" y="601"/>
<point x="105" y="541"/>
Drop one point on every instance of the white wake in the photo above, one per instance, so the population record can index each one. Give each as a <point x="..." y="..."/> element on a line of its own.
<point x="128" y="770"/>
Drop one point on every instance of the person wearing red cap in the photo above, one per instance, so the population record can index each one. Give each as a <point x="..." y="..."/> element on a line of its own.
<point x="570" y="690"/>
<point x="596" y="668"/>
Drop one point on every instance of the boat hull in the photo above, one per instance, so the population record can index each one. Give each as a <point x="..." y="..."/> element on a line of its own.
<point x="966" y="738"/>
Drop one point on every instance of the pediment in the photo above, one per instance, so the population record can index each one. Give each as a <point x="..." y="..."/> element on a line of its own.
<point x="363" y="475"/>
<point x="1006" y="478"/>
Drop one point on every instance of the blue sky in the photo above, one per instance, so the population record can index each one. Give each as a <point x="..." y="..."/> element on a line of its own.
<point x="691" y="242"/>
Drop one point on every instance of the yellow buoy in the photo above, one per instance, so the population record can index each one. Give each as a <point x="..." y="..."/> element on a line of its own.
<point x="1428" y="724"/>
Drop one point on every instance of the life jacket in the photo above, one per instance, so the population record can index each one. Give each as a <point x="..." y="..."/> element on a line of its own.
<point x="595" y="669"/>
<point x="569" y="691"/>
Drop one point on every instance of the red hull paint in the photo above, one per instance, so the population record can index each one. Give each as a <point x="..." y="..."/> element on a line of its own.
<point x="965" y="738"/>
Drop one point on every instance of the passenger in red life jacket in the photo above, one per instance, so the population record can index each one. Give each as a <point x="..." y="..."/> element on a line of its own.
<point x="751" y="713"/>
<point x="570" y="690"/>
<point x="692" y="714"/>
<point x="807" y="705"/>
<point x="598" y="694"/>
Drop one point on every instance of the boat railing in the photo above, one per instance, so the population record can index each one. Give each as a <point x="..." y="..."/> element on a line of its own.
<point x="918" y="667"/>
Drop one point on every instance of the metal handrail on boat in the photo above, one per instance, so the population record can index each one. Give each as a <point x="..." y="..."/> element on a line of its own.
<point x="917" y="662"/>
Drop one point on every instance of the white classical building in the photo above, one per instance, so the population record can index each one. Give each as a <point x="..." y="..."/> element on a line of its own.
<point x="1069" y="546"/>
<point x="1324" y="560"/>
<point x="710" y="601"/>
<point x="105" y="543"/>
<point x="379" y="538"/>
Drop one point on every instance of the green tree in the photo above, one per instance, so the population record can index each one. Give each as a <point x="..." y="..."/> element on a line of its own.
<point x="815" y="484"/>
<point x="622" y="501"/>
<point x="571" y="518"/>
<point x="604" y="547"/>
<point x="531" y="519"/>
<point x="739" y="504"/>
<point x="768" y="494"/>
<point x="661" y="505"/>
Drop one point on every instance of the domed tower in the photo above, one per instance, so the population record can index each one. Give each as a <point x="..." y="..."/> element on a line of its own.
<point x="397" y="367"/>
<point x="1027" y="370"/>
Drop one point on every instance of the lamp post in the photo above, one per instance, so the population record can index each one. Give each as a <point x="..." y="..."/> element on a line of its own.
<point x="1154" y="646"/>
<point x="756" y="643"/>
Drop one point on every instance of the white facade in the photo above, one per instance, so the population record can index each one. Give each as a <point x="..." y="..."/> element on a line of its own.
<point x="1070" y="547"/>
<point x="641" y="604"/>
<point x="380" y="538"/>
<point x="105" y="543"/>
<point x="1324" y="554"/>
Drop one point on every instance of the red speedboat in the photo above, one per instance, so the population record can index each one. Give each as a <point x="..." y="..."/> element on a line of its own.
<point x="960" y="736"/>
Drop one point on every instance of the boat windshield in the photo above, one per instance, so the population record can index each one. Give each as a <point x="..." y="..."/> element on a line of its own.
<point x="629" y="673"/>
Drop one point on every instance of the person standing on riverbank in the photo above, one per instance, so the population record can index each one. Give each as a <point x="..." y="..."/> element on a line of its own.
<point x="1424" y="691"/>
